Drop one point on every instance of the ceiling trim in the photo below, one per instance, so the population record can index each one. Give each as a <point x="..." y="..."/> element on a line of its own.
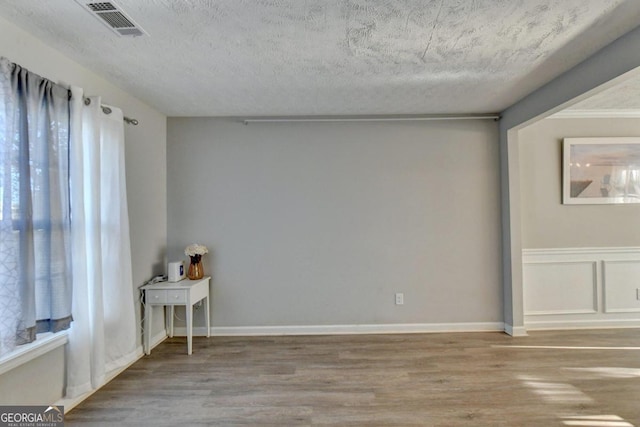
<point x="491" y="116"/>
<point x="596" y="114"/>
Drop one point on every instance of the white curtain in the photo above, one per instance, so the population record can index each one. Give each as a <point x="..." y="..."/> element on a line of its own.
<point x="102" y="337"/>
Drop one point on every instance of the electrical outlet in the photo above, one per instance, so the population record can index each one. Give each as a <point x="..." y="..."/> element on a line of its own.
<point x="399" y="299"/>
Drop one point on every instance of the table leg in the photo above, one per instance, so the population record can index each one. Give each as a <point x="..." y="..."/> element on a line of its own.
<point x="189" y="311"/>
<point x="171" y="321"/>
<point x="206" y="315"/>
<point x="148" y="309"/>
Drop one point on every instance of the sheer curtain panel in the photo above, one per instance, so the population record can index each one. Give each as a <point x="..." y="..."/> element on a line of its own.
<point x="35" y="244"/>
<point x="103" y="336"/>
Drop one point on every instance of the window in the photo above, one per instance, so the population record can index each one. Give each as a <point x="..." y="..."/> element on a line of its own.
<point x="35" y="246"/>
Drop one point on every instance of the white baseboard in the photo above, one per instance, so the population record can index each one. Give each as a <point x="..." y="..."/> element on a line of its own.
<point x="515" y="331"/>
<point x="400" y="328"/>
<point x="158" y="338"/>
<point x="550" y="325"/>
<point x="71" y="403"/>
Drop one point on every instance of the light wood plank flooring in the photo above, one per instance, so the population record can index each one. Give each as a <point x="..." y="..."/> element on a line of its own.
<point x="578" y="378"/>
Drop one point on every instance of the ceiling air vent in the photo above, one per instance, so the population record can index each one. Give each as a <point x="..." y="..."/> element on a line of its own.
<point x="112" y="15"/>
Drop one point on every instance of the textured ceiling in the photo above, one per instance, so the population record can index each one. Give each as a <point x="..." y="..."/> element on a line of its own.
<point x="623" y="96"/>
<point x="340" y="57"/>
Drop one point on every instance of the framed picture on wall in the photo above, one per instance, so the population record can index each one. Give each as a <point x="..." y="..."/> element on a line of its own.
<point x="601" y="171"/>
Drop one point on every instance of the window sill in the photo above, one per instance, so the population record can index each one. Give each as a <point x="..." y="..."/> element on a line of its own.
<point x="43" y="344"/>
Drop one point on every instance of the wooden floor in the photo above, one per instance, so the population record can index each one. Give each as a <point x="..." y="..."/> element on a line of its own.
<point x="576" y="378"/>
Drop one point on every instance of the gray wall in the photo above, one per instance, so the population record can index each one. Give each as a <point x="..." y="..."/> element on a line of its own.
<point x="321" y="223"/>
<point x="546" y="222"/>
<point x="146" y="188"/>
<point x="39" y="382"/>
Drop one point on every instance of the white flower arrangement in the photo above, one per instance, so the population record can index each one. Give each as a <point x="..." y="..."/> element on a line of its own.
<point x="196" y="249"/>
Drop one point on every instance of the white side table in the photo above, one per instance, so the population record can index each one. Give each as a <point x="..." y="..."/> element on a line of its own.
<point x="185" y="292"/>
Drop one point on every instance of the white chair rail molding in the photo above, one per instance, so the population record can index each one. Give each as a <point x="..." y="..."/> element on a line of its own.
<point x="581" y="287"/>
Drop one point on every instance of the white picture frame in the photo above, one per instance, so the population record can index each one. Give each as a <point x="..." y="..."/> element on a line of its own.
<point x="601" y="171"/>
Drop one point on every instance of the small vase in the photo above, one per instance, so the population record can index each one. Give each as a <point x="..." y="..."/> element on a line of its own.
<point x="195" y="271"/>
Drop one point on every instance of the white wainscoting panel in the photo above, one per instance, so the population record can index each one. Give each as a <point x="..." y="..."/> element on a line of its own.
<point x="561" y="287"/>
<point x="570" y="288"/>
<point x="621" y="286"/>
